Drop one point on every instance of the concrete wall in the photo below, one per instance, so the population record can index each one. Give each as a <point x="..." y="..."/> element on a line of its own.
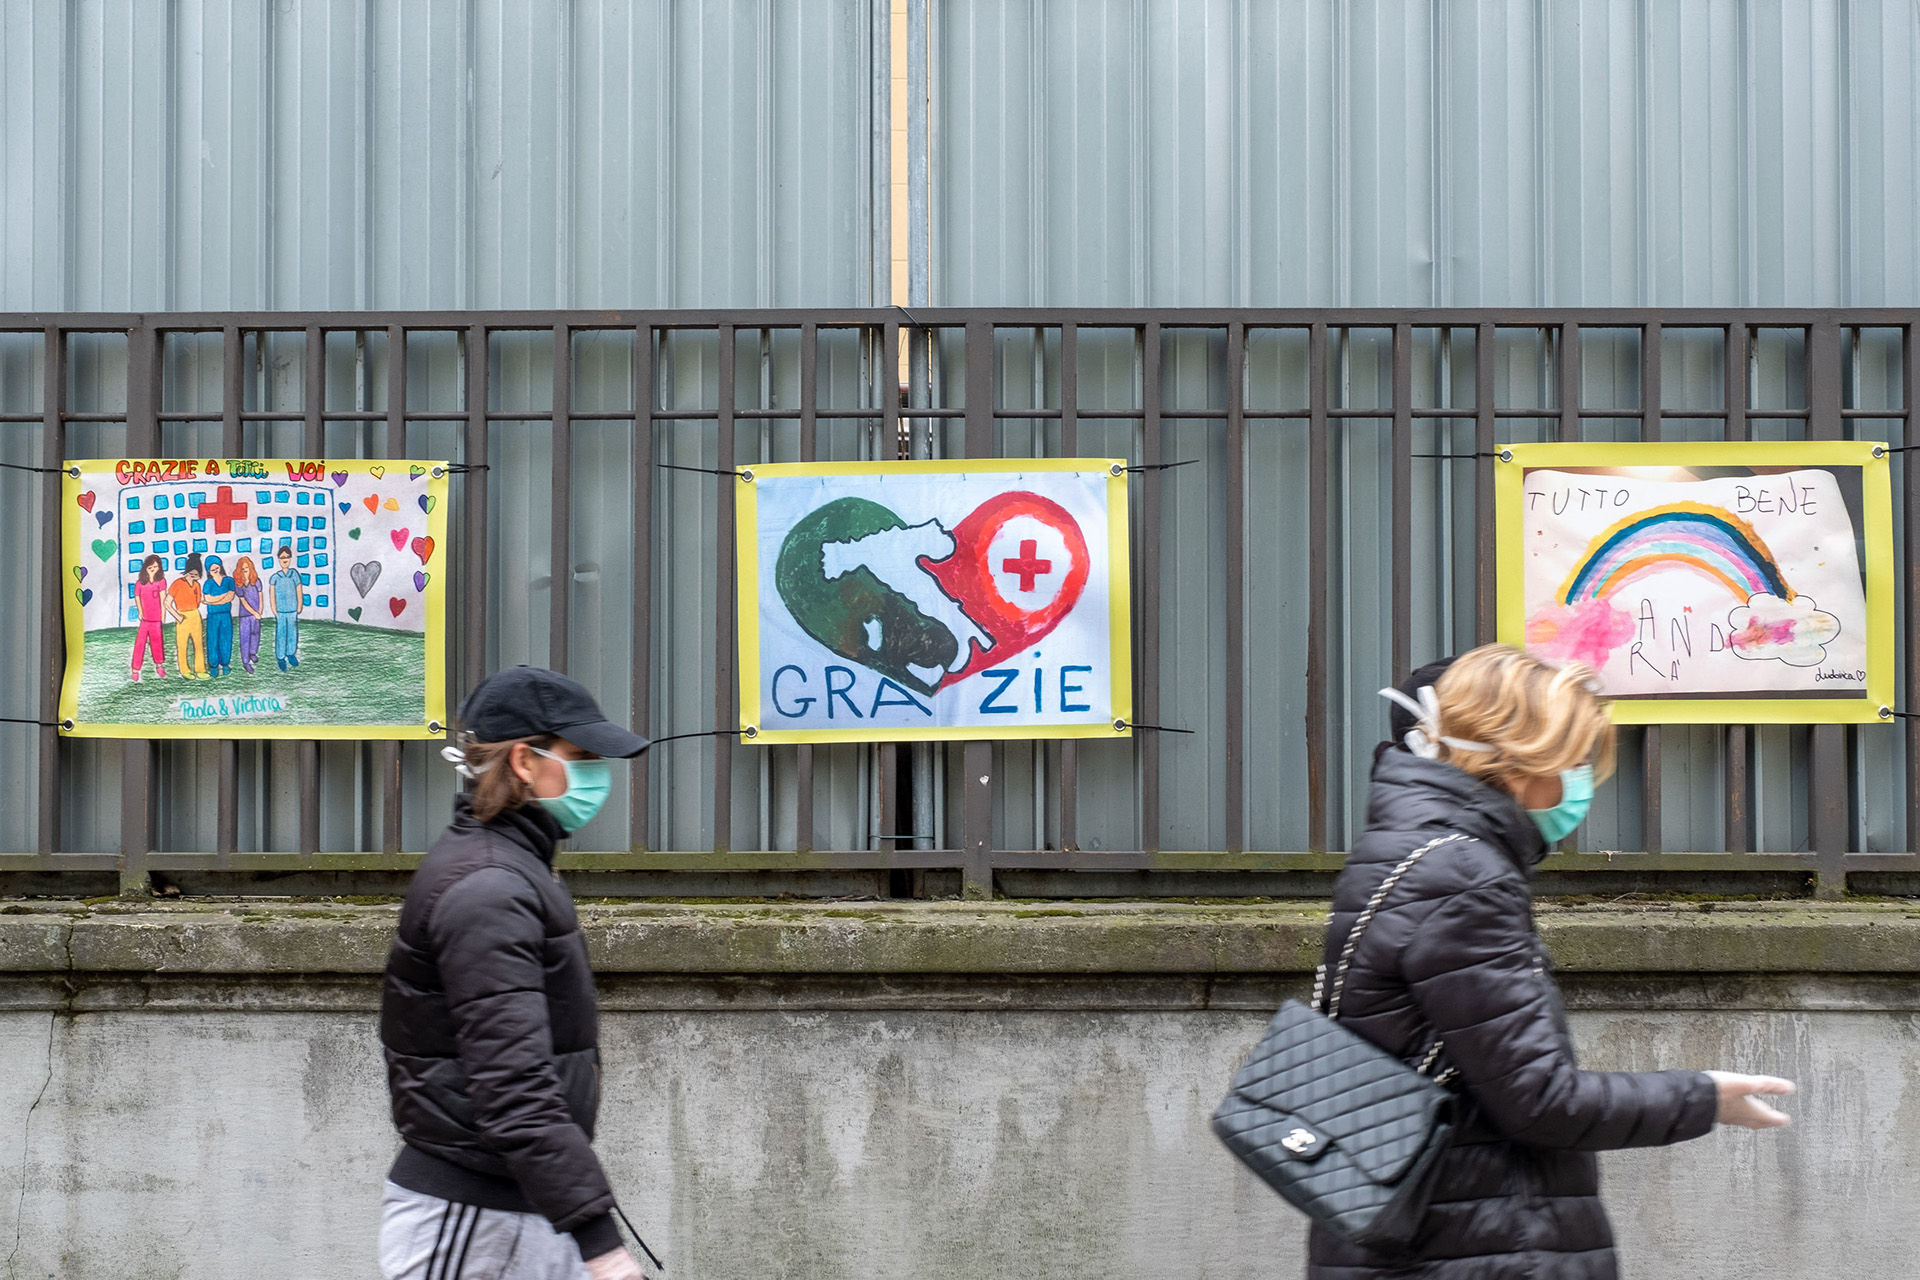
<point x="912" y="1092"/>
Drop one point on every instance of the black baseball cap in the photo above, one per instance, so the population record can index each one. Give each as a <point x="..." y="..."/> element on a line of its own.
<point x="527" y="702"/>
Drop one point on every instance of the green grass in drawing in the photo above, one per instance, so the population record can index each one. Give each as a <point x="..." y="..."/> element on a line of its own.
<point x="348" y="675"/>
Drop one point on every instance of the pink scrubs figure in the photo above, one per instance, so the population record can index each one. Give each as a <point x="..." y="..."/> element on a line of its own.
<point x="147" y="596"/>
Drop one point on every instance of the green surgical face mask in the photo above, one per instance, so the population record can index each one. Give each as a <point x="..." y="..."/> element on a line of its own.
<point x="589" y="783"/>
<point x="1576" y="797"/>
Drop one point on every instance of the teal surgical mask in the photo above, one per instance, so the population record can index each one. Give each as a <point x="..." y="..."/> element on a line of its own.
<point x="589" y="783"/>
<point x="1576" y="797"/>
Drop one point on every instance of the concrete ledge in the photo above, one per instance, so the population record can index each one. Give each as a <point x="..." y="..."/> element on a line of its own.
<point x="1008" y="939"/>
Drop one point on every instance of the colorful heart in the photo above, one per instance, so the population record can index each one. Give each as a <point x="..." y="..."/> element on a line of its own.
<point x="354" y="613"/>
<point x="354" y="534"/>
<point x="345" y="507"/>
<point x="423" y="547"/>
<point x="339" y="478"/>
<point x="105" y="547"/>
<point x="399" y="537"/>
<point x="373" y="502"/>
<point x="428" y="502"/>
<point x="102" y="516"/>
<point x="391" y="504"/>
<point x="379" y="473"/>
<point x="86" y="501"/>
<point x="419" y="580"/>
<point x="396" y="604"/>
<point x="80" y="573"/>
<point x="84" y="595"/>
<point x="416" y="472"/>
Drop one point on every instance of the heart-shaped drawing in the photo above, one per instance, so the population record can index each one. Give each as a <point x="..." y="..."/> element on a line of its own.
<point x="105" y="547"/>
<point x="86" y="501"/>
<point x="102" y="517"/>
<point x="416" y="472"/>
<point x="423" y="547"/>
<point x="364" y="575"/>
<point x="354" y="613"/>
<point x="379" y="473"/>
<point x="345" y="507"/>
<point x="391" y="504"/>
<point x="951" y="617"/>
<point x="396" y="604"/>
<point x="420" y="580"/>
<point x="354" y="534"/>
<point x="339" y="479"/>
<point x="373" y="502"/>
<point x="80" y="573"/>
<point x="83" y="595"/>
<point x="399" y="537"/>
<point x="428" y="502"/>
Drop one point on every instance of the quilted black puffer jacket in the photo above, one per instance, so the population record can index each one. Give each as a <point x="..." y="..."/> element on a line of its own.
<point x="490" y="1030"/>
<point x="1453" y="953"/>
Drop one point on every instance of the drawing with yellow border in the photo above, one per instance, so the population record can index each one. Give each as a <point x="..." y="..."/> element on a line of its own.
<point x="1703" y="571"/>
<point x="254" y="598"/>
<point x="912" y="601"/>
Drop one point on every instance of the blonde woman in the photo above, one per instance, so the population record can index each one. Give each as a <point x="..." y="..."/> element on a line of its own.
<point x="1505" y="754"/>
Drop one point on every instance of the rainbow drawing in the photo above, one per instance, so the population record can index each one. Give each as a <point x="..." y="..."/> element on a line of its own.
<point x="1685" y="535"/>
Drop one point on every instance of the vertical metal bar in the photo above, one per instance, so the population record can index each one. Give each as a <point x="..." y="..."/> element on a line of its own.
<point x="1317" y="634"/>
<point x="809" y="449"/>
<point x="1069" y="448"/>
<point x="1739" y="823"/>
<point x="1233" y="678"/>
<point x="1568" y="376"/>
<point x="313" y="444"/>
<point x="1486" y="623"/>
<point x="396" y="447"/>
<point x="1148" y="746"/>
<point x="560" y="535"/>
<point x="640" y="776"/>
<point x="886" y="755"/>
<point x="232" y="397"/>
<point x="473" y="488"/>
<point x="136" y="768"/>
<point x="1402" y="464"/>
<point x="976" y="873"/>
<point x="53" y="642"/>
<point x="1910" y="513"/>
<point x="723" y="619"/>
<point x="1651" y="349"/>
<point x="1827" y="791"/>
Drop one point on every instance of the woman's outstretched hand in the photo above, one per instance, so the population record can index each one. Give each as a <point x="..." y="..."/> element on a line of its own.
<point x="1740" y="1099"/>
<point x="618" y="1264"/>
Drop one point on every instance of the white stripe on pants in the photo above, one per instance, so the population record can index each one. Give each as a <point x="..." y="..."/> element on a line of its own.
<point x="423" y="1237"/>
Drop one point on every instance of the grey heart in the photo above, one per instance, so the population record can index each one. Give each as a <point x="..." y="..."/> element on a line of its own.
<point x="364" y="576"/>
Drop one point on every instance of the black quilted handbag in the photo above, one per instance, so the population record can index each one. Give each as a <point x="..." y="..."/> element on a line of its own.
<point x="1349" y="1134"/>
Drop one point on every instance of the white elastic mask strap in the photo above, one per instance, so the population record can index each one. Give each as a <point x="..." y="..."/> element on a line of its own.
<point x="1424" y="738"/>
<point x="458" y="759"/>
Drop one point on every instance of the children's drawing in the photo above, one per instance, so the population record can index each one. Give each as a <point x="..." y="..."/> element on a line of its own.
<point x="925" y="600"/>
<point x="1696" y="576"/>
<point x="233" y="598"/>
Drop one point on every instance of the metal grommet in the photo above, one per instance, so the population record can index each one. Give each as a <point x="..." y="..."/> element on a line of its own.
<point x="73" y="472"/>
<point x="1116" y="470"/>
<point x="1886" y="713"/>
<point x="434" y="726"/>
<point x="67" y="725"/>
<point x="437" y="472"/>
<point x="1880" y="451"/>
<point x="746" y="475"/>
<point x="750" y="732"/>
<point x="1505" y="455"/>
<point x="1119" y="726"/>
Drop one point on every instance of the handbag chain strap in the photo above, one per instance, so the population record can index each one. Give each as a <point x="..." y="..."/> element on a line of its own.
<point x="1360" y="927"/>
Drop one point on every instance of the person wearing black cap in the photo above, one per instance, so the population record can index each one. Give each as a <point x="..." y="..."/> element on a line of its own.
<point x="487" y="1015"/>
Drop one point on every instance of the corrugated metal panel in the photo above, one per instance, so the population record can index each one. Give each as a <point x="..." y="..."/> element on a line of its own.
<point x="1455" y="153"/>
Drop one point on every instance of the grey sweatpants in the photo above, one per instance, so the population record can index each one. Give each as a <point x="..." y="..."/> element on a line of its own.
<point x="423" y="1237"/>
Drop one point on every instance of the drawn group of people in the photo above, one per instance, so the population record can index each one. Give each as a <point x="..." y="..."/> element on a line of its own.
<point x="205" y="603"/>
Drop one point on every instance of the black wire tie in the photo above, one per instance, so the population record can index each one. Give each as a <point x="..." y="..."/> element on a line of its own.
<point x="48" y="471"/>
<point x="658" y="1265"/>
<point x="745" y="474"/>
<point x="1158" y="466"/>
<point x="705" y="733"/>
<point x="1122" y="725"/>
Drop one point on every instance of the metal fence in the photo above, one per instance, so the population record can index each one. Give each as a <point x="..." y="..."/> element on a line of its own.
<point x="1330" y="528"/>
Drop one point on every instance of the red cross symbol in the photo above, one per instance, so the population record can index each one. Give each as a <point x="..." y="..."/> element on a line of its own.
<point x="1026" y="566"/>
<point x="223" y="510"/>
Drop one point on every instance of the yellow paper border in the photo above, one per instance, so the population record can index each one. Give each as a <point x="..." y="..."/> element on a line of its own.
<point x="1509" y="476"/>
<point x="73" y="476"/>
<point x="1119" y="600"/>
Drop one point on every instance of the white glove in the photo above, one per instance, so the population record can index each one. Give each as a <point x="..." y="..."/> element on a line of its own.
<point x="1739" y="1103"/>
<point x="615" y="1265"/>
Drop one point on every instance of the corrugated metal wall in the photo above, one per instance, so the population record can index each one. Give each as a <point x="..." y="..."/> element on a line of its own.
<point x="1447" y="153"/>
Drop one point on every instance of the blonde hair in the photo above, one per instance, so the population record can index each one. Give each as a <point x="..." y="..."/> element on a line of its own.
<point x="496" y="787"/>
<point x="1534" y="720"/>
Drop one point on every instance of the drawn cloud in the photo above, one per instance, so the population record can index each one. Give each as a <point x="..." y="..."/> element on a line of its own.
<point x="1587" y="631"/>
<point x="1794" y="631"/>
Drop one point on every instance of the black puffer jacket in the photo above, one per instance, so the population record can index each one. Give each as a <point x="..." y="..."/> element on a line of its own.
<point x="490" y="1031"/>
<point x="1453" y="953"/>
